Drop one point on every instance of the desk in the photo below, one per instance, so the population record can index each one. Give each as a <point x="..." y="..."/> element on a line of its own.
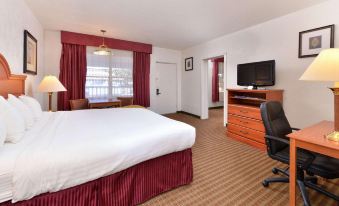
<point x="313" y="139"/>
<point x="103" y="103"/>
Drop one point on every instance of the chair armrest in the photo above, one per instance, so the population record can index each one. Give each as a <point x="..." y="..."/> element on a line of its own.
<point x="295" y="129"/>
<point x="278" y="139"/>
<point x="309" y="157"/>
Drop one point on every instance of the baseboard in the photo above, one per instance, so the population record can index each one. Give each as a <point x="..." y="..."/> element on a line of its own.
<point x="218" y="107"/>
<point x="187" y="113"/>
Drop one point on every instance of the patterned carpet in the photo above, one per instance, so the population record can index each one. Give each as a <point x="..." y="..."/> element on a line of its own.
<point x="227" y="172"/>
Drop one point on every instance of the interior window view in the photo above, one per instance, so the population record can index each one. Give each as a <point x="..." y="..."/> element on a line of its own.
<point x="169" y="103"/>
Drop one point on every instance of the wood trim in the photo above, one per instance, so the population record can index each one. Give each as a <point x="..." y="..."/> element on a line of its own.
<point x="10" y="83"/>
<point x="293" y="170"/>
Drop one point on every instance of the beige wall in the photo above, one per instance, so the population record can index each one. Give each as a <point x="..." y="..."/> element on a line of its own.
<point x="305" y="102"/>
<point x="15" y="18"/>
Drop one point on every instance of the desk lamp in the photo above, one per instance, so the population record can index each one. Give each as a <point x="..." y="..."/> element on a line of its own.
<point x="325" y="67"/>
<point x="51" y="84"/>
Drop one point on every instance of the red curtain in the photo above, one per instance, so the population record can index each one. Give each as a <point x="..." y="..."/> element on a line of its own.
<point x="215" y="79"/>
<point x="141" y="79"/>
<point x="73" y="67"/>
<point x="91" y="40"/>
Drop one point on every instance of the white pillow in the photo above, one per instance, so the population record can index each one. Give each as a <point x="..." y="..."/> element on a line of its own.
<point x="33" y="104"/>
<point x="15" y="122"/>
<point x="23" y="109"/>
<point x="3" y="131"/>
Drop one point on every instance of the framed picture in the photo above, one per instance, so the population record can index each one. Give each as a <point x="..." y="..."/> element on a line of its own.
<point x="311" y="42"/>
<point x="189" y="64"/>
<point x="30" y="53"/>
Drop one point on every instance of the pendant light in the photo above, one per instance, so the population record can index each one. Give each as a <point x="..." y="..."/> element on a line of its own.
<point x="103" y="50"/>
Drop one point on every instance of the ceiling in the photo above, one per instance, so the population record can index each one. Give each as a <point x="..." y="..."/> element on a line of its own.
<point x="176" y="24"/>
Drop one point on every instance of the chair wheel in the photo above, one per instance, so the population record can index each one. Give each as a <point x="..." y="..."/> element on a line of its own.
<point x="265" y="183"/>
<point x="274" y="171"/>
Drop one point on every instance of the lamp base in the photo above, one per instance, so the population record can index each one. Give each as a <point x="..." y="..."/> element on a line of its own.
<point x="334" y="136"/>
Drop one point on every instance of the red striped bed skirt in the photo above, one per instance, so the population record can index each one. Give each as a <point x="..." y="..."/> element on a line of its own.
<point x="131" y="186"/>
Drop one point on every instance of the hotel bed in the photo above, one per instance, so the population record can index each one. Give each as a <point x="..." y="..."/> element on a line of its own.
<point x="93" y="157"/>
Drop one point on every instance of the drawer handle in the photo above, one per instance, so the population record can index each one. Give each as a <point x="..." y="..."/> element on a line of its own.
<point x="243" y="132"/>
<point x="242" y="111"/>
<point x="243" y="122"/>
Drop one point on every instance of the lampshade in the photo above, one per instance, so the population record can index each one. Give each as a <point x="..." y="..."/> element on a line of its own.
<point x="51" y="84"/>
<point x="325" y="67"/>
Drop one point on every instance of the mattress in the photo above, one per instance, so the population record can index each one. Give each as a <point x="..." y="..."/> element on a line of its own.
<point x="9" y="154"/>
<point x="70" y="148"/>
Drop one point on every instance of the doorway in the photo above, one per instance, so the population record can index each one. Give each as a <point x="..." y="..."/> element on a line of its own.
<point x="213" y="86"/>
<point x="166" y="88"/>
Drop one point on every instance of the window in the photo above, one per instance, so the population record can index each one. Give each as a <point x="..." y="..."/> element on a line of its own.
<point x="109" y="76"/>
<point x="221" y="76"/>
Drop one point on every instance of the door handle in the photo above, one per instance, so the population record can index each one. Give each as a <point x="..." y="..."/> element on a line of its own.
<point x="157" y="92"/>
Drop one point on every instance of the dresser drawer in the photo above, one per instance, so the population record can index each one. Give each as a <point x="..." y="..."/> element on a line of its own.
<point x="250" y="112"/>
<point x="246" y="132"/>
<point x="246" y="122"/>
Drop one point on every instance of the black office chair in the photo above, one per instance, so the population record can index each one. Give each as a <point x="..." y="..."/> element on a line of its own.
<point x="277" y="127"/>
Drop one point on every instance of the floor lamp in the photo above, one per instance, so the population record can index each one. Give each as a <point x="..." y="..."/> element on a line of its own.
<point x="51" y="84"/>
<point x="326" y="68"/>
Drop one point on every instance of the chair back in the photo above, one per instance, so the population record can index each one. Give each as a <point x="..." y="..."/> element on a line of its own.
<point x="78" y="104"/>
<point x="276" y="124"/>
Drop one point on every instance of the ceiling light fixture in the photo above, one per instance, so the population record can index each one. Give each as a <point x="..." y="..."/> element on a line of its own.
<point x="103" y="49"/>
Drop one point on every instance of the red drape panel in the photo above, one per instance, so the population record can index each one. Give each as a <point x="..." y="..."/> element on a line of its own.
<point x="91" y="40"/>
<point x="215" y="79"/>
<point x="141" y="78"/>
<point x="73" y="67"/>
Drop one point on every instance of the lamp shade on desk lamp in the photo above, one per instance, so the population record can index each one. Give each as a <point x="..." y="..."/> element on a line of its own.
<point x="325" y="67"/>
<point x="51" y="84"/>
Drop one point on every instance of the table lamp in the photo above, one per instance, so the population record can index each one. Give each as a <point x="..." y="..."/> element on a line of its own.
<point x="51" y="84"/>
<point x="326" y="68"/>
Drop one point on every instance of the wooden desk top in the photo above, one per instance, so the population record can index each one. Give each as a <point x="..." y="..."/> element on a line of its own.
<point x="93" y="101"/>
<point x="316" y="134"/>
<point x="256" y="90"/>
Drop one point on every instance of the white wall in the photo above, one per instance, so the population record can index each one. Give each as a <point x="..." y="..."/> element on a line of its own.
<point x="304" y="102"/>
<point x="53" y="52"/>
<point x="15" y="18"/>
<point x="52" y="56"/>
<point x="209" y="88"/>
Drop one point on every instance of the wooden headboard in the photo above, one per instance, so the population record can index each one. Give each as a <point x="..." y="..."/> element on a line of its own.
<point x="10" y="83"/>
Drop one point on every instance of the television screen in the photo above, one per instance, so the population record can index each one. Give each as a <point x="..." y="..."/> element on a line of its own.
<point x="256" y="74"/>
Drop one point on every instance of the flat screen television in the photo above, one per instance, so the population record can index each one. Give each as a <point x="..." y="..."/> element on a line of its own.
<point x="256" y="74"/>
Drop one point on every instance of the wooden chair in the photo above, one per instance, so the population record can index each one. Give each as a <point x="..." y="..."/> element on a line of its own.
<point x="78" y="104"/>
<point x="125" y="101"/>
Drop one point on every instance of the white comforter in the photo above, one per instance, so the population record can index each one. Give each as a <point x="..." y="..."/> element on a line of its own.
<point x="80" y="146"/>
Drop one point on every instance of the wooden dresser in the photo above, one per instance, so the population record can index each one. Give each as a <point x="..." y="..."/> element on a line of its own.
<point x="244" y="118"/>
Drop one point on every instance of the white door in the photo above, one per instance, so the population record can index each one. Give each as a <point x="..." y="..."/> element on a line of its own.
<point x="166" y="88"/>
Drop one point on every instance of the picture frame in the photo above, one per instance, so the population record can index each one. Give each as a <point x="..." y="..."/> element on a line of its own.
<point x="189" y="64"/>
<point x="313" y="41"/>
<point x="30" y="54"/>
